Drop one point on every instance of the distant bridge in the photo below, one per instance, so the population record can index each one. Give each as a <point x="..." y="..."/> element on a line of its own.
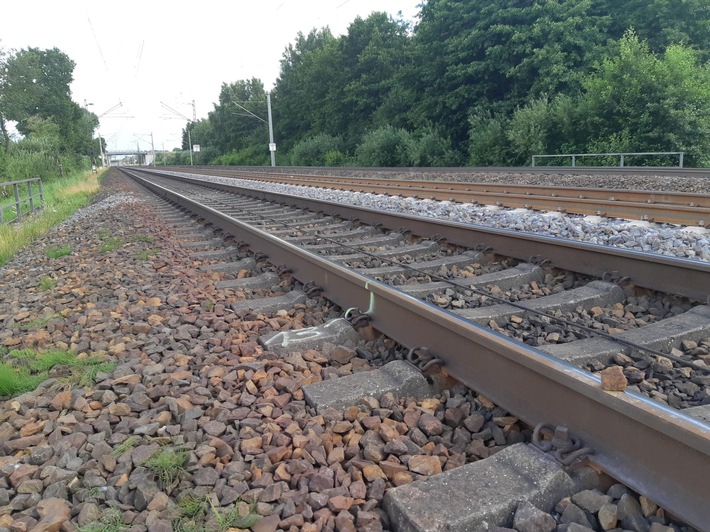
<point x="141" y="155"/>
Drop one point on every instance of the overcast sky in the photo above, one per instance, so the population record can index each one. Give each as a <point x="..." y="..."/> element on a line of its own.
<point x="140" y="53"/>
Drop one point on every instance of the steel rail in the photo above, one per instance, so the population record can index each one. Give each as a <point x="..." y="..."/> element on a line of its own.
<point x="663" y="207"/>
<point x="609" y="194"/>
<point x="689" y="278"/>
<point x="655" y="450"/>
<point x="406" y="170"/>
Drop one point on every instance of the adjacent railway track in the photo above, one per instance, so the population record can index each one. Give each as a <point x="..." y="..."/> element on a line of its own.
<point x="357" y="266"/>
<point x="662" y="207"/>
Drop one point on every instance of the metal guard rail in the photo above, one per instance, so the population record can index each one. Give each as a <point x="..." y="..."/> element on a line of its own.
<point x="620" y="155"/>
<point x="17" y="204"/>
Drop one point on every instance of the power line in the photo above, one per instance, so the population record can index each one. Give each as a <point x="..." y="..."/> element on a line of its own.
<point x="140" y="55"/>
<point x="96" y="40"/>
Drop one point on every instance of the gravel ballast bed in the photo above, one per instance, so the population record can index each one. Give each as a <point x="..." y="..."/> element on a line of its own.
<point x="664" y="239"/>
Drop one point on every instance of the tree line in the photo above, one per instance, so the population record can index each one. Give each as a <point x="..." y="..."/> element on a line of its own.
<point x="476" y="82"/>
<point x="57" y="133"/>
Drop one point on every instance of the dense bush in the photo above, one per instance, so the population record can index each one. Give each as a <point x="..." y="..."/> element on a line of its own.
<point x="249" y="156"/>
<point x="386" y="146"/>
<point x="431" y="149"/>
<point x="319" y="150"/>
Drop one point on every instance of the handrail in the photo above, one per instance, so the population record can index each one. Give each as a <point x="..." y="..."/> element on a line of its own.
<point x="620" y="155"/>
<point x="17" y="204"/>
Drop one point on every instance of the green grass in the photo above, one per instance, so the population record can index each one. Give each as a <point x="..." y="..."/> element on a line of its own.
<point x="112" y="244"/>
<point x="231" y="519"/>
<point x="39" y="322"/>
<point x="55" y="253"/>
<point x="193" y="515"/>
<point x="143" y="238"/>
<point x="46" y="283"/>
<point x="168" y="464"/>
<point x="23" y="370"/>
<point x="146" y="254"/>
<point x="62" y="198"/>
<point x="125" y="445"/>
<point x="110" y="521"/>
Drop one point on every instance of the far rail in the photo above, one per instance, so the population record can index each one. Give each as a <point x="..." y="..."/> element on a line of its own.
<point x="656" y="206"/>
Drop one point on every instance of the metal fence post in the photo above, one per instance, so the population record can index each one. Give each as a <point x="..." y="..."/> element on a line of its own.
<point x="621" y="160"/>
<point x="574" y="160"/>
<point x="681" y="160"/>
<point x="41" y="194"/>
<point x="18" y="210"/>
<point x="533" y="161"/>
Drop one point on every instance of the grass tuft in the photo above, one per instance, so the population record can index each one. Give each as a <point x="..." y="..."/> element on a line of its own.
<point x="125" y="445"/>
<point x="110" y="521"/>
<point x="23" y="370"/>
<point x="168" y="464"/>
<point x="112" y="244"/>
<point x="46" y="283"/>
<point x="232" y="519"/>
<point x="55" y="253"/>
<point x="143" y="238"/>
<point x="39" y="322"/>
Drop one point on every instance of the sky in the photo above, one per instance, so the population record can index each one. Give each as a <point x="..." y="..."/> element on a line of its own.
<point x="132" y="55"/>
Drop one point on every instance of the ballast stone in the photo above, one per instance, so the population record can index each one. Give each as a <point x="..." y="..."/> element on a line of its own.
<point x="481" y="495"/>
<point x="338" y="331"/>
<point x="398" y="377"/>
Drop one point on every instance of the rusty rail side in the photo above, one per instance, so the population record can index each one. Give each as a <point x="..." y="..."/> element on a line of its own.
<point x="689" y="278"/>
<point x="655" y="450"/>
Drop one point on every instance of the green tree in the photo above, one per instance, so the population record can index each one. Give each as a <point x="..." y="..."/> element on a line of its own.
<point x="498" y="55"/>
<point x="651" y="102"/>
<point x="373" y="51"/>
<point x="231" y="126"/>
<point x="306" y="90"/>
<point x="661" y="23"/>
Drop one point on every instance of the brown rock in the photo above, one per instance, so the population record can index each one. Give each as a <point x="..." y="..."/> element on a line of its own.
<point x="54" y="512"/>
<point x="373" y="472"/>
<point x="613" y="379"/>
<point x="424" y="465"/>
<point x="119" y="409"/>
<point x="342" y="354"/>
<point x="128" y="379"/>
<point x="159" y="502"/>
<point x="401" y="478"/>
<point x="24" y="443"/>
<point x="270" y="523"/>
<point x="251" y="445"/>
<point x="340" y="503"/>
<point x="61" y="401"/>
<point x="430" y="425"/>
<point x="31" y="428"/>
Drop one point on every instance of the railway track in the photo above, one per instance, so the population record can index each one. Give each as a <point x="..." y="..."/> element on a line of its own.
<point x="663" y="207"/>
<point x="433" y="295"/>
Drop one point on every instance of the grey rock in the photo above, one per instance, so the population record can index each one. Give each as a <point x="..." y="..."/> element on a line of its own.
<point x="591" y="500"/>
<point x="574" y="514"/>
<point x="205" y="476"/>
<point x="528" y="518"/>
